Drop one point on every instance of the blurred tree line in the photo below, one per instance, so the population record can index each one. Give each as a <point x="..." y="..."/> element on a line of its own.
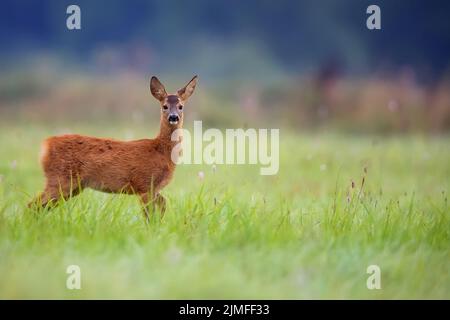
<point x="302" y="64"/>
<point x="296" y="35"/>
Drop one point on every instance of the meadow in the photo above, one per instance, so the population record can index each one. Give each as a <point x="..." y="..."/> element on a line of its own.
<point x="339" y="203"/>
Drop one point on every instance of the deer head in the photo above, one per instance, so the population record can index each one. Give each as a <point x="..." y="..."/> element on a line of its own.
<point x="172" y="105"/>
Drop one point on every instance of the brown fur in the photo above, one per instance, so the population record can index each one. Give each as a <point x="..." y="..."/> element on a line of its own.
<point x="142" y="167"/>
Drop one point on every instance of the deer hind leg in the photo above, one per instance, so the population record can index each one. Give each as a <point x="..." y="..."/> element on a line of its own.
<point x="54" y="191"/>
<point x="149" y="205"/>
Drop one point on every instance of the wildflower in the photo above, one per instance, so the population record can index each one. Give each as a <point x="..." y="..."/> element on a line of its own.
<point x="201" y="175"/>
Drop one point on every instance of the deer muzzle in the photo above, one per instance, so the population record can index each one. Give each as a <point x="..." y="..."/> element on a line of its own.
<point x="173" y="118"/>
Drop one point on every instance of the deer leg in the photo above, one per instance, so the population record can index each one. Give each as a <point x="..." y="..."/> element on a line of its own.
<point x="44" y="198"/>
<point x="160" y="201"/>
<point x="150" y="205"/>
<point x="53" y="192"/>
<point x="145" y="205"/>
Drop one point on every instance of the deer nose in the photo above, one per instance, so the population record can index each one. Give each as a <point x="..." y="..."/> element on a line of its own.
<point x="173" y="118"/>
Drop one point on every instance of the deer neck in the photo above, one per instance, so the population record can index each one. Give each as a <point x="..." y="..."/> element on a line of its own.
<point x="165" y="134"/>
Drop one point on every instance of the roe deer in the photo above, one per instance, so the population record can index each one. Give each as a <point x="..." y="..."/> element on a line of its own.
<point x="141" y="167"/>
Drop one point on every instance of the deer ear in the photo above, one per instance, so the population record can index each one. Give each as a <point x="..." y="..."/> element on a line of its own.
<point x="188" y="90"/>
<point x="157" y="89"/>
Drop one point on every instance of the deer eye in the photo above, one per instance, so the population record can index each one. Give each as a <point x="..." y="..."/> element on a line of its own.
<point x="165" y="107"/>
<point x="180" y="107"/>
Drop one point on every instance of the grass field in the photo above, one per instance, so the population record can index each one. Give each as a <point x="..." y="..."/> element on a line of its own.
<point x="304" y="233"/>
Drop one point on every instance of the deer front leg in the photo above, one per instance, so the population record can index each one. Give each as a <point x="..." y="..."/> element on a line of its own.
<point x="148" y="203"/>
<point x="160" y="201"/>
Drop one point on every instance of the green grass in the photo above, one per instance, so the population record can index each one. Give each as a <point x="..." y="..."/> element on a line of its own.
<point x="304" y="233"/>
